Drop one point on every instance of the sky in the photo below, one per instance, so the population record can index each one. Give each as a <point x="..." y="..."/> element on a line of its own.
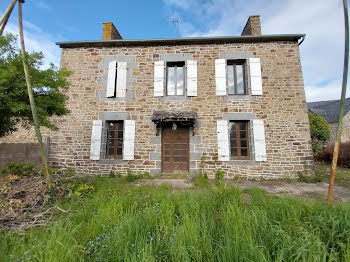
<point x="322" y="53"/>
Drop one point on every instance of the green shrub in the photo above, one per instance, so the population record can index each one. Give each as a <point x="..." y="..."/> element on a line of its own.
<point x="19" y="169"/>
<point x="81" y="189"/>
<point x="320" y="132"/>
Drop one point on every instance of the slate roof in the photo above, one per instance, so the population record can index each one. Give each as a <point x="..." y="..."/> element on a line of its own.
<point x="328" y="109"/>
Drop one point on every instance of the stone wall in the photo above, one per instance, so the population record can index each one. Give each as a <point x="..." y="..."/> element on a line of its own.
<point x="282" y="106"/>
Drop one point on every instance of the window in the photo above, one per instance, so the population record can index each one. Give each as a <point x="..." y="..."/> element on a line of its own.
<point x="236" y="77"/>
<point x="239" y="139"/>
<point x="175" y="78"/>
<point x="114" y="140"/>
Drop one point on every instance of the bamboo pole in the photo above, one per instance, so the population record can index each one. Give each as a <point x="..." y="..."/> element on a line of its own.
<point x="342" y="105"/>
<point x="31" y="97"/>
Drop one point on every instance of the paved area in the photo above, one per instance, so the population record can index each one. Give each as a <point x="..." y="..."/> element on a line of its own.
<point x="312" y="190"/>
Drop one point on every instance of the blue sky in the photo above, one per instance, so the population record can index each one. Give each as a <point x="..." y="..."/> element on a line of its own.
<point x="46" y="22"/>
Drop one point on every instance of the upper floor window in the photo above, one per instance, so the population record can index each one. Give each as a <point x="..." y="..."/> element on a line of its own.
<point x="236" y="77"/>
<point x="114" y="139"/>
<point x="231" y="77"/>
<point x="175" y="78"/>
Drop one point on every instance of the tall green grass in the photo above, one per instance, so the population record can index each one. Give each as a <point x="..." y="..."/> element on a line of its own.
<point x="120" y="222"/>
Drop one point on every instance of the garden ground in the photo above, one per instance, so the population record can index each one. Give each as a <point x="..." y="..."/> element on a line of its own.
<point x="110" y="219"/>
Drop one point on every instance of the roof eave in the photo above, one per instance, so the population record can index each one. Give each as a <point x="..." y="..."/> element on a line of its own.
<point x="185" y="40"/>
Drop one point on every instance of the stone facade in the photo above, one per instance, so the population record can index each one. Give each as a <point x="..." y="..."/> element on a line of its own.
<point x="282" y="107"/>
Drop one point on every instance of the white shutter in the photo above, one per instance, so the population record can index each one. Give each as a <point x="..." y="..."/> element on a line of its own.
<point x="259" y="140"/>
<point x="121" y="79"/>
<point x="191" y="78"/>
<point x="223" y="140"/>
<point x="158" y="78"/>
<point x="220" y="77"/>
<point x="255" y="76"/>
<point x="96" y="135"/>
<point x="112" y="66"/>
<point x="129" y="140"/>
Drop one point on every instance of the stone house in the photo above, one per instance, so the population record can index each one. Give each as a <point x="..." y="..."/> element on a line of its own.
<point x="330" y="111"/>
<point x="184" y="105"/>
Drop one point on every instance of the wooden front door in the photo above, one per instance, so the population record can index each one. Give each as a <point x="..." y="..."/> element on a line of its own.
<point x="175" y="149"/>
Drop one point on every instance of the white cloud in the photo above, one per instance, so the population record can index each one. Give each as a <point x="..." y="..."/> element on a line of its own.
<point x="321" y="53"/>
<point x="39" y="41"/>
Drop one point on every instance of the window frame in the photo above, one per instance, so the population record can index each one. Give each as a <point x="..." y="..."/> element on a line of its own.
<point x="116" y="139"/>
<point x="176" y="65"/>
<point x="238" y="140"/>
<point x="234" y="63"/>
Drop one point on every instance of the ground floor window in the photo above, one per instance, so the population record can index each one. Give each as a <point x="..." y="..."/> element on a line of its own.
<point x="114" y="140"/>
<point x="239" y="139"/>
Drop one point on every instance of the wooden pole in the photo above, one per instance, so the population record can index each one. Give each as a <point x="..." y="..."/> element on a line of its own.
<point x="31" y="96"/>
<point x="6" y="16"/>
<point x="7" y="12"/>
<point x="342" y="105"/>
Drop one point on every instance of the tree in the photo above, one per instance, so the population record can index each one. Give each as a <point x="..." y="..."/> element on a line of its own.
<point x="47" y="85"/>
<point x="320" y="131"/>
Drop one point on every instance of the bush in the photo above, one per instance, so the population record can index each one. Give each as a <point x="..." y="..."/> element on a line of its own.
<point x="320" y="132"/>
<point x="326" y="155"/>
<point x="19" y="169"/>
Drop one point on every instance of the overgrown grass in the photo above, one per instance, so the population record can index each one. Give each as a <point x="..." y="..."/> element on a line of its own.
<point x="121" y="222"/>
<point x="322" y="173"/>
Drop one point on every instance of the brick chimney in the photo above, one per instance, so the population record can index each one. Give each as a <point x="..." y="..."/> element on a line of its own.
<point x="253" y="26"/>
<point x="109" y="32"/>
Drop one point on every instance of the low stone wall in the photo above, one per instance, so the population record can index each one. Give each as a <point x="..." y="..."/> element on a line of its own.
<point x="21" y="152"/>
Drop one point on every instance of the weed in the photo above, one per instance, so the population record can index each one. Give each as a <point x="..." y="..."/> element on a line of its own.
<point x="81" y="189"/>
<point x="201" y="180"/>
<point x="19" y="169"/>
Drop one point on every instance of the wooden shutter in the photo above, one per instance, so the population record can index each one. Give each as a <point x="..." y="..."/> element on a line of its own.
<point x="96" y="135"/>
<point x="158" y="78"/>
<point x="223" y="140"/>
<point x="121" y="79"/>
<point x="112" y="66"/>
<point x="129" y="140"/>
<point x="255" y="76"/>
<point x="259" y="140"/>
<point x="191" y="78"/>
<point x="220" y="77"/>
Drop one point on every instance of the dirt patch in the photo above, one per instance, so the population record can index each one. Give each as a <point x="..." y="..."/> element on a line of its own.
<point x="174" y="183"/>
<point x="311" y="190"/>
<point x="307" y="190"/>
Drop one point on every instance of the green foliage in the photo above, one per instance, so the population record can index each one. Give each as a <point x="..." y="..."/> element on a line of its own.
<point x="111" y="174"/>
<point x="201" y="180"/>
<point x="14" y="101"/>
<point x="81" y="189"/>
<point x="219" y="175"/>
<point x="120" y="222"/>
<point x="19" y="169"/>
<point x="320" y="131"/>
